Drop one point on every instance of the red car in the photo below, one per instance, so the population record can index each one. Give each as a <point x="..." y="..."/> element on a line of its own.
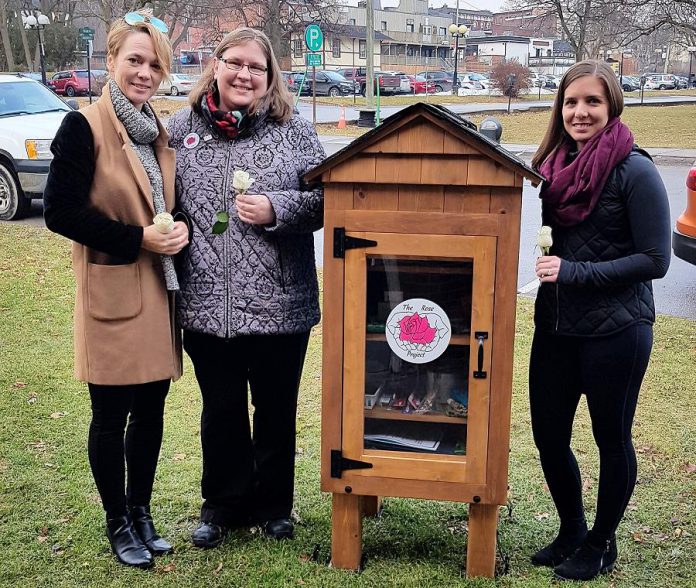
<point x="419" y="85"/>
<point x="72" y="83"/>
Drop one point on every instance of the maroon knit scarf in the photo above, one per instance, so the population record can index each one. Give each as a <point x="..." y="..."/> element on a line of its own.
<point x="572" y="190"/>
<point x="227" y="122"/>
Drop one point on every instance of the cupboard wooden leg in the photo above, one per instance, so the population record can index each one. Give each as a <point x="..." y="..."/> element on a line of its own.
<point x="346" y="532"/>
<point x="371" y="505"/>
<point x="480" y="558"/>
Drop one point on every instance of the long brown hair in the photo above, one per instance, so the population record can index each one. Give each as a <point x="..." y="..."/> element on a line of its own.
<point x="556" y="134"/>
<point x="277" y="100"/>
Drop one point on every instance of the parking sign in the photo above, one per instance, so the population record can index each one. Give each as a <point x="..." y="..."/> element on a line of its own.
<point x="314" y="38"/>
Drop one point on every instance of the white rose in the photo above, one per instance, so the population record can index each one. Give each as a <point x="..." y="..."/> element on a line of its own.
<point x="544" y="239"/>
<point x="164" y="222"/>
<point x="241" y="181"/>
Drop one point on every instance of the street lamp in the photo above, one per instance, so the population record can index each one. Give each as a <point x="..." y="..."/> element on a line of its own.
<point x="457" y="32"/>
<point x="39" y="22"/>
<point x="691" y="51"/>
<point x="626" y="52"/>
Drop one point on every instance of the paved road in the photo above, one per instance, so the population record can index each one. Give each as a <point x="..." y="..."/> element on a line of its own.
<point x="674" y="295"/>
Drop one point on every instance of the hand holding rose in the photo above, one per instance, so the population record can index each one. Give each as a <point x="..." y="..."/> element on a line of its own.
<point x="165" y="243"/>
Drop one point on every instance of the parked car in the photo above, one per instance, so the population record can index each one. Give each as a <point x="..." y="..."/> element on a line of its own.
<point x="552" y="82"/>
<point x="629" y="83"/>
<point x="328" y="83"/>
<point x="30" y="115"/>
<point x="388" y="83"/>
<point x="684" y="235"/>
<point x="177" y="84"/>
<point x="660" y="82"/>
<point x="405" y="86"/>
<point x="442" y="79"/>
<point x="682" y="82"/>
<point x="73" y="82"/>
<point x="419" y="85"/>
<point x="477" y="78"/>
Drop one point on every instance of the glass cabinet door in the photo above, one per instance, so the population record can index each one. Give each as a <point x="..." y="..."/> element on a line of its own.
<point x="418" y="327"/>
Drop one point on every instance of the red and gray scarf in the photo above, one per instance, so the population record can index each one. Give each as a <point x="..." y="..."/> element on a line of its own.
<point x="571" y="190"/>
<point x="228" y="123"/>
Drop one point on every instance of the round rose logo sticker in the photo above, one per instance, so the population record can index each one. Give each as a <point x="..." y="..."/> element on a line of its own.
<point x="418" y="330"/>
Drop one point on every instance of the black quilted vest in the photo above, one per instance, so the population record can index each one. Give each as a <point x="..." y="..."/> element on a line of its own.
<point x="605" y="235"/>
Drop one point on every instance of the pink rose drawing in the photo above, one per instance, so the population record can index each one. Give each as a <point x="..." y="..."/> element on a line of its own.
<point x="416" y="329"/>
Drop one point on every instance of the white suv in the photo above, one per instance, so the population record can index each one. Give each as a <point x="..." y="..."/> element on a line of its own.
<point x="30" y="115"/>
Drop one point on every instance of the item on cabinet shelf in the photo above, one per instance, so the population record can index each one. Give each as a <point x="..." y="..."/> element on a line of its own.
<point x="427" y="403"/>
<point x="461" y="396"/>
<point x="386" y="399"/>
<point x="375" y="327"/>
<point x="456" y="409"/>
<point x="371" y="398"/>
<point x="400" y="435"/>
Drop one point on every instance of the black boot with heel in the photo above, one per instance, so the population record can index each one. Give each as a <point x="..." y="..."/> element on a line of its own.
<point x="145" y="528"/>
<point x="126" y="544"/>
<point x="594" y="557"/>
<point x="562" y="547"/>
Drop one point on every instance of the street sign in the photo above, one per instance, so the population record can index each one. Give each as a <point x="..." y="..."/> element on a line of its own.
<point x="86" y="34"/>
<point x="314" y="38"/>
<point x="313" y="59"/>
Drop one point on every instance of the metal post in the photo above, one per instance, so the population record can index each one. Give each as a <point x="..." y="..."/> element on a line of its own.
<point x="621" y="71"/>
<point x="455" y="84"/>
<point x="42" y="58"/>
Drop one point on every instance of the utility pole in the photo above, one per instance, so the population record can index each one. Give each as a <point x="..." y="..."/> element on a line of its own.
<point x="370" y="54"/>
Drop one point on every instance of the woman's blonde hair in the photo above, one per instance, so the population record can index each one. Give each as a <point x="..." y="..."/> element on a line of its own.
<point x="120" y="29"/>
<point x="556" y="134"/>
<point x="277" y="100"/>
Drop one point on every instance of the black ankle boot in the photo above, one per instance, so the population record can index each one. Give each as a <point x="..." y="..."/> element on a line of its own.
<point x="145" y="528"/>
<point x="126" y="544"/>
<point x="595" y="556"/>
<point x="559" y="549"/>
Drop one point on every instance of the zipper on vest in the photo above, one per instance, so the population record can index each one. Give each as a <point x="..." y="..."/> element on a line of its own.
<point x="226" y="238"/>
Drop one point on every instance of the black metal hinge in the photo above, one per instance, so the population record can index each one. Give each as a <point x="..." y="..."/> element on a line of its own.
<point x="339" y="464"/>
<point x="342" y="242"/>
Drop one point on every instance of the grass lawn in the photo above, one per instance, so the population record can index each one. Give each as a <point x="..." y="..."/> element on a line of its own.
<point x="51" y="522"/>
<point x="653" y="126"/>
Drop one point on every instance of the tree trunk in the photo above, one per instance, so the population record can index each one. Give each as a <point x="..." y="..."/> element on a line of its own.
<point x="25" y="42"/>
<point x="272" y="28"/>
<point x="5" y="34"/>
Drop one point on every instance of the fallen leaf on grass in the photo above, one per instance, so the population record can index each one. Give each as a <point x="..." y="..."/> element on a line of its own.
<point x="43" y="535"/>
<point x="19" y="385"/>
<point x="31" y="399"/>
<point x="638" y="537"/>
<point x="57" y="550"/>
<point x="540" y="516"/>
<point x="57" y="415"/>
<point x="586" y="485"/>
<point x="38" y="445"/>
<point x="179" y="457"/>
<point x="218" y="569"/>
<point x="170" y="567"/>
<point x="632" y="506"/>
<point x="689" y="467"/>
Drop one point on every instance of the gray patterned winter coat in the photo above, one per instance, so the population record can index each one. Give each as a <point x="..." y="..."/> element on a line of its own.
<point x="250" y="279"/>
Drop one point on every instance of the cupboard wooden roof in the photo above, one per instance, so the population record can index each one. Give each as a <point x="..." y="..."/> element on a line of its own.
<point x="424" y="128"/>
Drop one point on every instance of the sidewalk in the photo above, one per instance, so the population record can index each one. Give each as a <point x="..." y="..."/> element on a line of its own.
<point x="333" y="143"/>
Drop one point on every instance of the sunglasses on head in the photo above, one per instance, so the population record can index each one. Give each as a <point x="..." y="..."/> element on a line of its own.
<point x="133" y="18"/>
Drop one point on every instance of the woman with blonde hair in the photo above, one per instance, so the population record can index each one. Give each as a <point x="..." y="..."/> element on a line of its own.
<point x="249" y="293"/>
<point x="608" y="210"/>
<point x="112" y="173"/>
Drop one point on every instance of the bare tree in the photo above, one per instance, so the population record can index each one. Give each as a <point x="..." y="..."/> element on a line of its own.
<point x="5" y="35"/>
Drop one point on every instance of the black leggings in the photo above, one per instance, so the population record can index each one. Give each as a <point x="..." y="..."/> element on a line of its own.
<point x="609" y="371"/>
<point x="126" y="431"/>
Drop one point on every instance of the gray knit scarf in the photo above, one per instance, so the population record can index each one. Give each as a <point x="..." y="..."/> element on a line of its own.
<point x="141" y="126"/>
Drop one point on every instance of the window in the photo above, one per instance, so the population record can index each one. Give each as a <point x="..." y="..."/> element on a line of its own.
<point x="297" y="48"/>
<point x="351" y="21"/>
<point x="409" y="25"/>
<point x="442" y="32"/>
<point x="427" y="30"/>
<point x="363" y="48"/>
<point x="336" y="47"/>
<point x="383" y="25"/>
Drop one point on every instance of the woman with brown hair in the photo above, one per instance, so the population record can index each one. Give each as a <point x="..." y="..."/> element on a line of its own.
<point x="249" y="293"/>
<point x="608" y="210"/>
<point x="112" y="173"/>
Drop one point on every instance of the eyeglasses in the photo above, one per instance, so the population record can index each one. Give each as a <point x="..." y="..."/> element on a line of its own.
<point x="133" y="18"/>
<point x="254" y="70"/>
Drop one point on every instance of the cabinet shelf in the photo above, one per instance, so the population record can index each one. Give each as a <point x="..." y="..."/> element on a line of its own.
<point x="395" y="415"/>
<point x="460" y="339"/>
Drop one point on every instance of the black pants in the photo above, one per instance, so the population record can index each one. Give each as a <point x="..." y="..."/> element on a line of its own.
<point x="126" y="431"/>
<point x="609" y="371"/>
<point x="247" y="476"/>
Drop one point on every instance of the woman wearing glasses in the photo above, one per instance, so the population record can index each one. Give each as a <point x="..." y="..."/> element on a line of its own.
<point x="112" y="172"/>
<point x="249" y="295"/>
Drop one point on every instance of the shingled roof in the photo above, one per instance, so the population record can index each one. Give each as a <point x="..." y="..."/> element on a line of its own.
<point x="441" y="116"/>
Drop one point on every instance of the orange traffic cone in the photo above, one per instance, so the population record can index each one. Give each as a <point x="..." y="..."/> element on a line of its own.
<point x="342" y="118"/>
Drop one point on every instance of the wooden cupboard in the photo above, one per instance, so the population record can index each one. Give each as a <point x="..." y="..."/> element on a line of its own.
<point x="422" y="221"/>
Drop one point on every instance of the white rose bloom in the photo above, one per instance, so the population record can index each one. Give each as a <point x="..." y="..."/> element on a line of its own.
<point x="164" y="222"/>
<point x="544" y="239"/>
<point x="241" y="181"/>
